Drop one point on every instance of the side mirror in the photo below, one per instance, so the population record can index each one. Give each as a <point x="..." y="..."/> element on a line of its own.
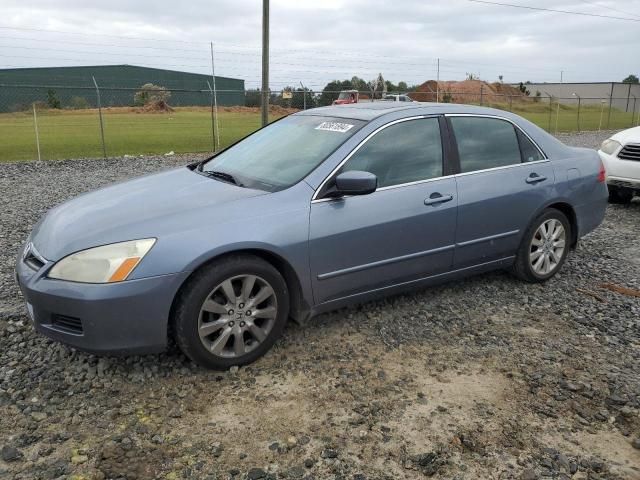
<point x="356" y="182"/>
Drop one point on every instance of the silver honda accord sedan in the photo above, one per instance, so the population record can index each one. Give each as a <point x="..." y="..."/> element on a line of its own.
<point x="316" y="211"/>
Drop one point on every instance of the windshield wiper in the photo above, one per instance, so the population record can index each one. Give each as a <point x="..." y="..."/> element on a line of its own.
<point x="224" y="176"/>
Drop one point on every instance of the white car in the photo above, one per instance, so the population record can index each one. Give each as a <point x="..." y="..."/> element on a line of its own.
<point x="621" y="157"/>
<point x="397" y="98"/>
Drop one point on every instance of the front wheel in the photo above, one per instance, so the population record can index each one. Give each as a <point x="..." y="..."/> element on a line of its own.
<point x="544" y="247"/>
<point x="231" y="312"/>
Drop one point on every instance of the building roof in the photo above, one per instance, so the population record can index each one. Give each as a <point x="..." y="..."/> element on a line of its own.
<point x="98" y="68"/>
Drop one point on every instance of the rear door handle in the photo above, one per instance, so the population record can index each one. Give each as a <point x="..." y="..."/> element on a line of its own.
<point x="437" y="198"/>
<point x="535" y="178"/>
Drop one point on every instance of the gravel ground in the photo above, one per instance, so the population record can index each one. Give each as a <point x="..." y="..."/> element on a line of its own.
<point x="483" y="378"/>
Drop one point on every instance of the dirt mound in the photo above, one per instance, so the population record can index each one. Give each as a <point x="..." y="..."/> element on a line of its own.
<point x="159" y="106"/>
<point x="467" y="91"/>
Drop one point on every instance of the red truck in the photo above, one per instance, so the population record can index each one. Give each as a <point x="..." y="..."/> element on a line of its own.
<point x="346" y="96"/>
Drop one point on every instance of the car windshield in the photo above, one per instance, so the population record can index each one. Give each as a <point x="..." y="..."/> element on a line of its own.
<point x="283" y="153"/>
<point x="345" y="95"/>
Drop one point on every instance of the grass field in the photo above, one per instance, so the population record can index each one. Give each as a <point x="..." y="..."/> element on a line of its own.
<point x="76" y="133"/>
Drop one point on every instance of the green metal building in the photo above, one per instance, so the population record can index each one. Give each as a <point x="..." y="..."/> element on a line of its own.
<point x="73" y="86"/>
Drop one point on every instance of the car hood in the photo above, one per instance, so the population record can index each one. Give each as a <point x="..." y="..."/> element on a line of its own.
<point x="631" y="135"/>
<point x="140" y="208"/>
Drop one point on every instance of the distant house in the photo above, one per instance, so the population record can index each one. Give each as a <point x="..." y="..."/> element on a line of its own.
<point x="20" y="87"/>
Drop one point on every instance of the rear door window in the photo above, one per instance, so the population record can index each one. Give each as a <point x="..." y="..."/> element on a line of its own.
<point x="485" y="143"/>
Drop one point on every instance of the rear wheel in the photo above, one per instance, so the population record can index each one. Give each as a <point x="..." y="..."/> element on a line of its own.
<point x="231" y="312"/>
<point x="620" y="195"/>
<point x="544" y="247"/>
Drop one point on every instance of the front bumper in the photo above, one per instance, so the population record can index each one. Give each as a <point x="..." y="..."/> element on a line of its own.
<point x="632" y="183"/>
<point x="621" y="173"/>
<point x="117" y="318"/>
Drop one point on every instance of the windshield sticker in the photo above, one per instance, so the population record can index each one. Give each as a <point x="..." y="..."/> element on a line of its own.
<point x="334" y="127"/>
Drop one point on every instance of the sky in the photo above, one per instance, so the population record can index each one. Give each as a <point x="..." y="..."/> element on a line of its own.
<point x="315" y="42"/>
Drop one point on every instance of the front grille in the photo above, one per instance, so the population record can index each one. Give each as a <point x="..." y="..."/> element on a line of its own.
<point x="631" y="151"/>
<point x="66" y="324"/>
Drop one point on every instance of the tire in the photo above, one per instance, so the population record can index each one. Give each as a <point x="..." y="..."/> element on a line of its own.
<point x="219" y="333"/>
<point x="535" y="247"/>
<point x="620" y="195"/>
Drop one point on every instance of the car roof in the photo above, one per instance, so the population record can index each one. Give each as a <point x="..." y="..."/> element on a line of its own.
<point x="368" y="111"/>
<point x="372" y="111"/>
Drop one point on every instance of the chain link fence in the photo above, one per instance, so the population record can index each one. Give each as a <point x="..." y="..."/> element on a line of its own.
<point x="59" y="121"/>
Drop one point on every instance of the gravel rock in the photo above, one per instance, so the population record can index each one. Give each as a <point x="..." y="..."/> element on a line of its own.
<point x="359" y="387"/>
<point x="10" y="454"/>
<point x="256" y="474"/>
<point x="329" y="453"/>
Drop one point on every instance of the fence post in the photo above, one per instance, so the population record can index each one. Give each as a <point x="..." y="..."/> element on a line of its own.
<point x="511" y="103"/>
<point x="550" y="112"/>
<point x="481" y="94"/>
<point x="215" y="98"/>
<point x="557" y="115"/>
<point x="104" y="148"/>
<point x="304" y="97"/>
<point x="579" y="102"/>
<point x="610" y="104"/>
<point x="213" y="122"/>
<point x="601" y="114"/>
<point x="35" y="124"/>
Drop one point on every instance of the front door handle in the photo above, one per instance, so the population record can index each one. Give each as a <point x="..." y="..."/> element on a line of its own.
<point x="437" y="198"/>
<point x="535" y="178"/>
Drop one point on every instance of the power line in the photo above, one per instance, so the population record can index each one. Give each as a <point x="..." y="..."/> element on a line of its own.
<point x="596" y="4"/>
<point x="42" y="30"/>
<point x="554" y="10"/>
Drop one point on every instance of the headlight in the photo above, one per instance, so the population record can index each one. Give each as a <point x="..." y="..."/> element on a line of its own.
<point x="105" y="264"/>
<point x="609" y="146"/>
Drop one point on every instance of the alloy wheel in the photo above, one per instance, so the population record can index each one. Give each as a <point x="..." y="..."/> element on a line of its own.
<point x="237" y="315"/>
<point x="547" y="247"/>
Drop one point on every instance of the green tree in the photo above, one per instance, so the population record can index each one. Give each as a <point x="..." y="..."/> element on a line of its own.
<point x="391" y="88"/>
<point x="298" y="99"/>
<point x="252" y="98"/>
<point x="52" y="99"/>
<point x="402" y="87"/>
<point x="359" y="84"/>
<point x="331" y="91"/>
<point x="631" y="79"/>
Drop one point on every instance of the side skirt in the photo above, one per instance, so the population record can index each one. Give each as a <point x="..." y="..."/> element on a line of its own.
<point x="411" y="285"/>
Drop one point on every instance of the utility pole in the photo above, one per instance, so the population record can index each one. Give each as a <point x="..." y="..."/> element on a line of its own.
<point x="561" y="75"/>
<point x="265" y="62"/>
<point x="438" y="83"/>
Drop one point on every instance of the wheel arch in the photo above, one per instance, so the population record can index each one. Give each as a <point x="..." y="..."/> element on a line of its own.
<point x="299" y="308"/>
<point x="568" y="212"/>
